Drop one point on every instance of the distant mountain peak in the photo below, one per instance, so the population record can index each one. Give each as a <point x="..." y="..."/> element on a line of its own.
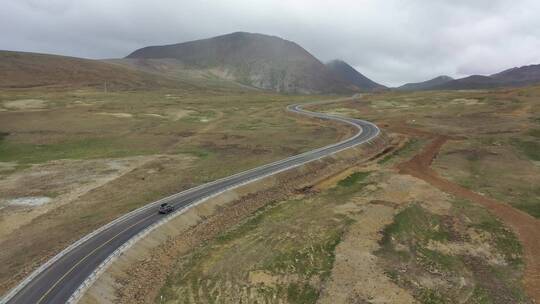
<point x="337" y="61"/>
<point x="513" y="77"/>
<point x="258" y="60"/>
<point x="443" y="78"/>
<point x="350" y="74"/>
<point x="524" y="73"/>
<point x="426" y="85"/>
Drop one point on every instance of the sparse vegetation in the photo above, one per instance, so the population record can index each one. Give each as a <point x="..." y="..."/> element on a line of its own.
<point x="86" y="148"/>
<point x="425" y="245"/>
<point x="185" y="136"/>
<point x="530" y="148"/>
<point x="3" y="135"/>
<point x="534" y="133"/>
<point x="301" y="294"/>
<point x="284" y="256"/>
<point x="409" y="243"/>
<point x="494" y="136"/>
<point x="414" y="224"/>
<point x="503" y="238"/>
<point x="353" y="179"/>
<point x="429" y="296"/>
<point x="412" y="145"/>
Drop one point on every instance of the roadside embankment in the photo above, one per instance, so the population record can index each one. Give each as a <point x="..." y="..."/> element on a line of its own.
<point x="137" y="274"/>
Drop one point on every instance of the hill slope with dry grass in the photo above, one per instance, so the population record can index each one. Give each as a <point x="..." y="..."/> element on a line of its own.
<point x="26" y="70"/>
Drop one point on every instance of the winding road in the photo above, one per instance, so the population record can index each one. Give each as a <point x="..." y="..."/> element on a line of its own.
<point x="58" y="279"/>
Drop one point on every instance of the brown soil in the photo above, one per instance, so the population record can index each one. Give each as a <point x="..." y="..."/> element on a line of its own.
<point x="525" y="226"/>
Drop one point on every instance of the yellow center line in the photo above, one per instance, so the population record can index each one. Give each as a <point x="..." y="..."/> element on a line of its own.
<point x="88" y="255"/>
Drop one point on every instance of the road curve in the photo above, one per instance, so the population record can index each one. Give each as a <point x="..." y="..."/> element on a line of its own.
<point x="59" y="278"/>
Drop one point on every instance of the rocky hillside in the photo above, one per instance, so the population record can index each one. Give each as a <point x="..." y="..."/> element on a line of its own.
<point x="257" y="60"/>
<point x="350" y="74"/>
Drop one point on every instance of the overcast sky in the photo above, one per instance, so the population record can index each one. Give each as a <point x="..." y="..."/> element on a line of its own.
<point x="390" y="41"/>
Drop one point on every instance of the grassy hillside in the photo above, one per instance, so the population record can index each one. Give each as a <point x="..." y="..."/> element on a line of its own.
<point x="175" y="69"/>
<point x="26" y="70"/>
<point x="73" y="160"/>
<point x="495" y="136"/>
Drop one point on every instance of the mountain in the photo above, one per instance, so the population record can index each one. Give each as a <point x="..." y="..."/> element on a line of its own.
<point x="349" y="74"/>
<point x="417" y="86"/>
<point x="469" y="83"/>
<point x="529" y="74"/>
<point x="257" y="60"/>
<point x="24" y="70"/>
<point x="514" y="77"/>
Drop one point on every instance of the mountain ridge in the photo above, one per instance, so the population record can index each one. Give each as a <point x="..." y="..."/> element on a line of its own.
<point x="26" y="70"/>
<point x="350" y="74"/>
<point x="262" y="61"/>
<point x="513" y="77"/>
<point x="425" y="84"/>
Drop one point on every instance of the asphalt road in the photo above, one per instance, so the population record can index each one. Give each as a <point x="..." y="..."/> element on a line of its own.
<point x="58" y="281"/>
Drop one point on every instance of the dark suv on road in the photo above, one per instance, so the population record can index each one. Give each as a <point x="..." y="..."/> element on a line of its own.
<point x="165" y="208"/>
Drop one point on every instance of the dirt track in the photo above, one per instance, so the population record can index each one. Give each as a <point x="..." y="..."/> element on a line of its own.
<point x="525" y="226"/>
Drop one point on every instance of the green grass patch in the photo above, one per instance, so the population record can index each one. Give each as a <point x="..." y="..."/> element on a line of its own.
<point x="248" y="225"/>
<point x="353" y="179"/>
<point x="302" y="294"/>
<point x="405" y="245"/>
<point x="196" y="151"/>
<point x="480" y="296"/>
<point x="199" y="116"/>
<point x="315" y="259"/>
<point x="348" y="187"/>
<point x="414" y="225"/>
<point x="531" y="208"/>
<point x="412" y="145"/>
<point x="536" y="119"/>
<point x="504" y="240"/>
<point x="3" y="135"/>
<point x="534" y="133"/>
<point x="530" y="148"/>
<point x="276" y="241"/>
<point x="430" y="296"/>
<point x="86" y="148"/>
<point x="431" y="258"/>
